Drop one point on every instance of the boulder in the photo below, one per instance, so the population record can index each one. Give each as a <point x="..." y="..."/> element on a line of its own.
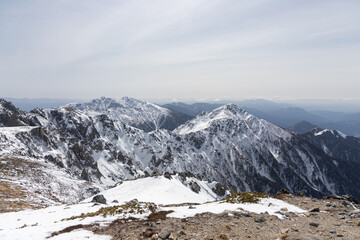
<point x="164" y="233"/>
<point x="99" y="199"/>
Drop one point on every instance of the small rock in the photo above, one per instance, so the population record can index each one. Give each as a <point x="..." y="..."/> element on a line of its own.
<point x="259" y="219"/>
<point x="332" y="231"/>
<point x="192" y="207"/>
<point x="307" y="214"/>
<point x="99" y="199"/>
<point x="313" y="224"/>
<point x="164" y="233"/>
<point x="115" y="201"/>
<point x="151" y="224"/>
<point x="167" y="175"/>
<point x="283" y="191"/>
<point x="284" y="230"/>
<point x="284" y="209"/>
<point x="131" y="202"/>
<point x="181" y="233"/>
<point x="315" y="210"/>
<point x="148" y="232"/>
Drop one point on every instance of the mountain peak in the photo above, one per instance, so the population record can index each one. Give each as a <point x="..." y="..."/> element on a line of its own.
<point x="9" y="106"/>
<point x="10" y="115"/>
<point x="206" y="119"/>
<point x="136" y="113"/>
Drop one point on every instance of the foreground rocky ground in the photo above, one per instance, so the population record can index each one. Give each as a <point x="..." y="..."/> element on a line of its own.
<point x="325" y="219"/>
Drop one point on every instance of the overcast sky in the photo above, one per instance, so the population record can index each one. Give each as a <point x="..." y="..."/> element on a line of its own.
<point x="180" y="49"/>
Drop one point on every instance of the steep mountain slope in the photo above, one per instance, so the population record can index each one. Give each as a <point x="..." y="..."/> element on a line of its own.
<point x="335" y="144"/>
<point x="255" y="154"/>
<point x="97" y="144"/>
<point x="133" y="112"/>
<point x="10" y="116"/>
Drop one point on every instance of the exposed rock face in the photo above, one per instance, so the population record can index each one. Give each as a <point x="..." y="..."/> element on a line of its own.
<point x="10" y="116"/>
<point x="194" y="187"/>
<point x="99" y="142"/>
<point x="219" y="189"/>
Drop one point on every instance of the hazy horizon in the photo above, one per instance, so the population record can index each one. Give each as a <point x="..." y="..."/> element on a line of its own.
<point x="336" y="105"/>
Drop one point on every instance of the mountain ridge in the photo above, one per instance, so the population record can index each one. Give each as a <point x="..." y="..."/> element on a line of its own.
<point x="234" y="148"/>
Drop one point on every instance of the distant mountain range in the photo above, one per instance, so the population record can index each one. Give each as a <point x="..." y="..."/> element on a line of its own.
<point x="94" y="145"/>
<point x="284" y="115"/>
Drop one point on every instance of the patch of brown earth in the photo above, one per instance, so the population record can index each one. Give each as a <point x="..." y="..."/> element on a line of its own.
<point x="336" y="219"/>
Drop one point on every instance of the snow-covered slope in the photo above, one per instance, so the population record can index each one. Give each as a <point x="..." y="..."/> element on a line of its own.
<point x="227" y="145"/>
<point x="161" y="190"/>
<point x="335" y="143"/>
<point x="41" y="224"/>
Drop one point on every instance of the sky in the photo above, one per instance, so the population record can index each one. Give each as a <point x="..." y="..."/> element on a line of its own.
<point x="214" y="49"/>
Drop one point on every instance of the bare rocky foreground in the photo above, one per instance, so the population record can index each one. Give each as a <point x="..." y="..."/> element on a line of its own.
<point x="325" y="219"/>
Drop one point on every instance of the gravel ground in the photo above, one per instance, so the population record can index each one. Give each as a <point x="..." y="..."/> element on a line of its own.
<point x="325" y="219"/>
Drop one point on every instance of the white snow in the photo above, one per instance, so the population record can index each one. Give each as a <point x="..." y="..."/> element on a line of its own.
<point x="40" y="224"/>
<point x="159" y="190"/>
<point x="333" y="132"/>
<point x="270" y="205"/>
<point x="202" y="122"/>
<point x="80" y="234"/>
<point x="127" y="110"/>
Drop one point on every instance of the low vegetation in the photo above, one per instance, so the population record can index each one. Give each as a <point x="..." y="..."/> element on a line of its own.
<point x="245" y="197"/>
<point x="130" y="208"/>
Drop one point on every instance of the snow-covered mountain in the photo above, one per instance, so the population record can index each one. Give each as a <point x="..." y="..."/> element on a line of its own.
<point x="133" y="112"/>
<point x="335" y="143"/>
<point x="102" y="143"/>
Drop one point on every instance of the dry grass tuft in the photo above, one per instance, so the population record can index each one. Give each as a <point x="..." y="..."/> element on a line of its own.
<point x="134" y="208"/>
<point x="227" y="226"/>
<point x="245" y="197"/>
<point x="283" y="236"/>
